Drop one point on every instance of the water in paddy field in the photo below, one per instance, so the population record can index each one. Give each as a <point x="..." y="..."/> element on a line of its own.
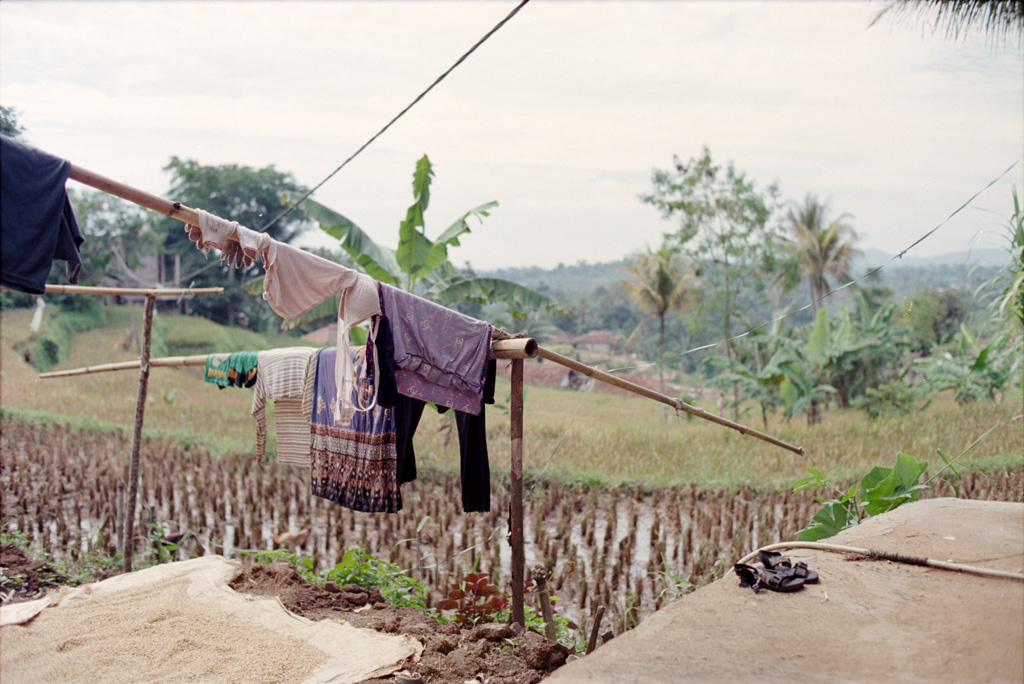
<point x="615" y="547"/>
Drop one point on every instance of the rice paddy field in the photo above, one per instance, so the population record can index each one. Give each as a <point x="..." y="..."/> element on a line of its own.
<point x="623" y="505"/>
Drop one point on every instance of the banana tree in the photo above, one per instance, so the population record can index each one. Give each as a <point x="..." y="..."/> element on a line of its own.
<point x="980" y="368"/>
<point x="419" y="264"/>
<point x="756" y="380"/>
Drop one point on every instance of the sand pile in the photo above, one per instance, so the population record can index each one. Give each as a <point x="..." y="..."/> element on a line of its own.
<point x="182" y="623"/>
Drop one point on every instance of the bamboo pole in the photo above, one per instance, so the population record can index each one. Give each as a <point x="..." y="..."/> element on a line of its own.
<point x="677" y="404"/>
<point x="519" y="348"/>
<point x="175" y="210"/>
<point x="166" y="361"/>
<point x="129" y="291"/>
<point x="516" y="496"/>
<point x="500" y="349"/>
<point x="133" y="466"/>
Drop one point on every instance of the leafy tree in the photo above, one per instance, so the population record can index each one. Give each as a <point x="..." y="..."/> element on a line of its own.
<point x="9" y="122"/>
<point x="934" y="317"/>
<point x="419" y="264"/>
<point x="235" y="193"/>
<point x="819" y="248"/>
<point x="724" y="222"/>
<point x="117" y="238"/>
<point x="659" y="283"/>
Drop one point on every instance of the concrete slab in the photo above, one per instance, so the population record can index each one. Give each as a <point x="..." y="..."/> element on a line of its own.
<point x="865" y="621"/>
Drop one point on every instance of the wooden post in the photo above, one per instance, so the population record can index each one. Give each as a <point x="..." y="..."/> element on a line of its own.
<point x="516" y="495"/>
<point x="128" y="524"/>
<point x="540" y="577"/>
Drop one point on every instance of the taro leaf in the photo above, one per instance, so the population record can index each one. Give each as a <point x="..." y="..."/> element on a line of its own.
<point x="883" y="489"/>
<point x="832" y="518"/>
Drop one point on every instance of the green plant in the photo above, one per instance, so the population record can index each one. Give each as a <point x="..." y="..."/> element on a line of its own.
<point x="419" y="264"/>
<point x="359" y="567"/>
<point x="474" y="599"/>
<point x="894" y="397"/>
<point x="674" y="587"/>
<point x="881" y="490"/>
<point x="356" y="567"/>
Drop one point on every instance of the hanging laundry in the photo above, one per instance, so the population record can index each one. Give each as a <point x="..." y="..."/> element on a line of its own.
<point x="440" y="354"/>
<point x="214" y="231"/>
<point x="472" y="429"/>
<point x="231" y="370"/>
<point x="37" y="223"/>
<point x="353" y="465"/>
<point x="297" y="281"/>
<point x="282" y="378"/>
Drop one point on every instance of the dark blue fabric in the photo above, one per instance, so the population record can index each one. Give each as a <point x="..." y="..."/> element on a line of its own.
<point x="37" y="224"/>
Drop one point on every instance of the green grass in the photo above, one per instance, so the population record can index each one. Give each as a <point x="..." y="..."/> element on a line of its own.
<point x="613" y="439"/>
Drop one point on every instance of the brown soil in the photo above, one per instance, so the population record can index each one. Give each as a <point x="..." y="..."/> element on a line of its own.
<point x="451" y="654"/>
<point x="25" y="578"/>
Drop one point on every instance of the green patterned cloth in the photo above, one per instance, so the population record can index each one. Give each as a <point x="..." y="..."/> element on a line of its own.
<point x="231" y="370"/>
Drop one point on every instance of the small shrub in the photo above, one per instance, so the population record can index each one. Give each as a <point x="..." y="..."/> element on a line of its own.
<point x="894" y="397"/>
<point x="474" y="599"/>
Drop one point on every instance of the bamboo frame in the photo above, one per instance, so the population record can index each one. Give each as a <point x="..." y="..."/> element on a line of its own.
<point x="516" y="536"/>
<point x="130" y="291"/>
<point x="133" y="466"/>
<point x="525" y="348"/>
<point x="166" y="361"/>
<point x="175" y="210"/>
<point x="677" y="404"/>
<point x="187" y="215"/>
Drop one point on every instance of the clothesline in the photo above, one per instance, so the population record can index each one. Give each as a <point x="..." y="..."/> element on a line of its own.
<point x="361" y="304"/>
<point x="520" y="348"/>
<point x="188" y="215"/>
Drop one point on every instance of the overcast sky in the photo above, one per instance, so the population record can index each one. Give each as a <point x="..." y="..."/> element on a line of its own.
<point x="560" y="117"/>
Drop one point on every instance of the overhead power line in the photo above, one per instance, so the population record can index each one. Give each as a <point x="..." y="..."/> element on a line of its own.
<point x="398" y="116"/>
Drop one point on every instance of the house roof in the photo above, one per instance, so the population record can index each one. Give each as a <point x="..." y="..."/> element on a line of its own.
<point x="325" y="335"/>
<point x="598" y="337"/>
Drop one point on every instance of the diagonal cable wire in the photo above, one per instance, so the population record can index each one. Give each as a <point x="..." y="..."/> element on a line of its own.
<point x="398" y="116"/>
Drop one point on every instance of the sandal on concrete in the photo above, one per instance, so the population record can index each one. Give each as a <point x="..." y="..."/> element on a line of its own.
<point x="806" y="574"/>
<point x="773" y="560"/>
<point x="750" y="576"/>
<point x="781" y="579"/>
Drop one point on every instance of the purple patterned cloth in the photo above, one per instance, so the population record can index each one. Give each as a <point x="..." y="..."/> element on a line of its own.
<point x="354" y="465"/>
<point x="440" y="355"/>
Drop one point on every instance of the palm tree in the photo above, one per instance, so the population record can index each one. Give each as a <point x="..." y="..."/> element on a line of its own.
<point x="660" y="282"/>
<point x="820" y="248"/>
<point x="999" y="20"/>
